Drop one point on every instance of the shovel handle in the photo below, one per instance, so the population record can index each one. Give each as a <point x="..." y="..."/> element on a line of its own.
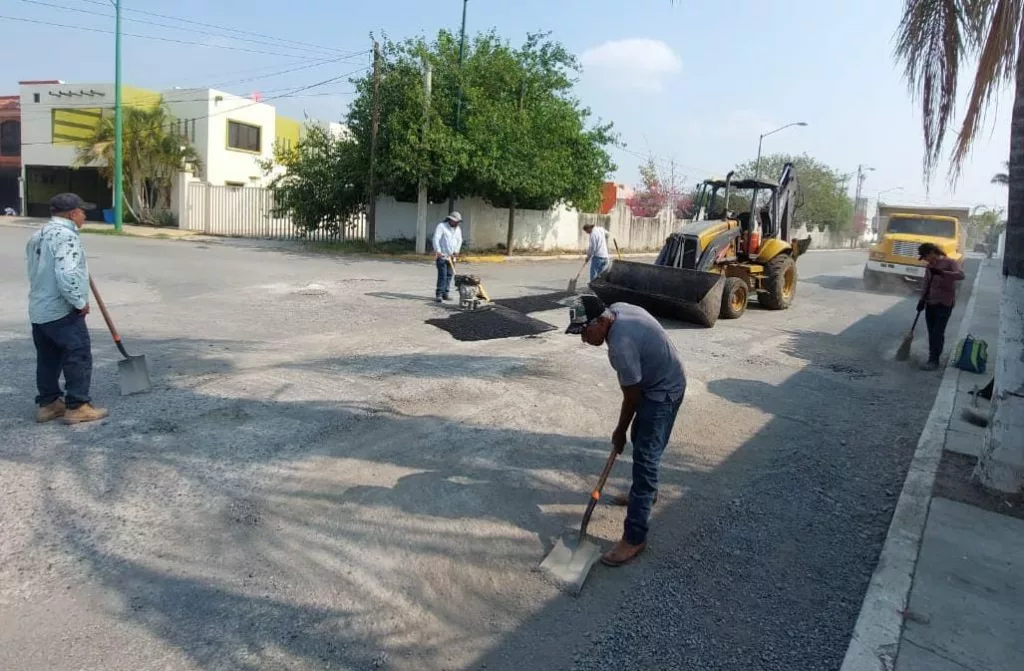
<point x="108" y="320"/>
<point x="595" y="495"/>
<point x="617" y="252"/>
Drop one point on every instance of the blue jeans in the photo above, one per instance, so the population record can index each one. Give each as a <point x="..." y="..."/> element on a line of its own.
<point x="63" y="346"/>
<point x="651" y="430"/>
<point x="444" y="277"/>
<point x="597" y="266"/>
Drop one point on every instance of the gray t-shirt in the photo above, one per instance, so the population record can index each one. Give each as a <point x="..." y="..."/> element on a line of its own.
<point x="641" y="353"/>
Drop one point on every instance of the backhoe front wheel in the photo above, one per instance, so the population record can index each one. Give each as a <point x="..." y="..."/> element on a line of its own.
<point x="734" y="298"/>
<point x="780" y="283"/>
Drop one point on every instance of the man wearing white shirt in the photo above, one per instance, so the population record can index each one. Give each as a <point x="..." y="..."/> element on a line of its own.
<point x="597" y="250"/>
<point x="447" y="245"/>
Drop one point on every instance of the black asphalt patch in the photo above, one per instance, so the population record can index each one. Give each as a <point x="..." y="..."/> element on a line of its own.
<point x="537" y="303"/>
<point x="498" y="322"/>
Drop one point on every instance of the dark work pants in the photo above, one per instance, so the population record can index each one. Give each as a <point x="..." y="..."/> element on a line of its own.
<point x="444" y="277"/>
<point x="63" y="346"/>
<point x="936" y="317"/>
<point x="652" y="428"/>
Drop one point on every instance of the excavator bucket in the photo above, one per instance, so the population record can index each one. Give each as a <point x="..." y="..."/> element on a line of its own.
<point x="801" y="246"/>
<point x="674" y="293"/>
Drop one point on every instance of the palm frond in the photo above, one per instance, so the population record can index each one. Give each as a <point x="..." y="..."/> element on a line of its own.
<point x="996" y="67"/>
<point x="932" y="38"/>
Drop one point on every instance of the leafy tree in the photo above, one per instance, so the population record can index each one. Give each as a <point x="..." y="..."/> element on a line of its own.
<point x="152" y="156"/>
<point x="658" y="191"/>
<point x="325" y="183"/>
<point x="523" y="140"/>
<point x="934" y="40"/>
<point x="823" y="199"/>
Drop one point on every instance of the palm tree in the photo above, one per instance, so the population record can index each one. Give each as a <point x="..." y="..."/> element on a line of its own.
<point x="934" y="39"/>
<point x="1002" y="178"/>
<point x="154" y="152"/>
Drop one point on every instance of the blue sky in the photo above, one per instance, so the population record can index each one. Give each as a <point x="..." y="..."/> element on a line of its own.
<point x="695" y="83"/>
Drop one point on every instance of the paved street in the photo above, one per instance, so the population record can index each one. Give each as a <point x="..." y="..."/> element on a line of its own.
<point x="321" y="480"/>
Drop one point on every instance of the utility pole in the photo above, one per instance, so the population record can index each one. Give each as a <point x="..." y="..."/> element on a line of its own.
<point x="421" y="200"/>
<point x="857" y="210"/>
<point x="371" y="216"/>
<point x="118" y="125"/>
<point x="458" y="95"/>
<point x="510" y="233"/>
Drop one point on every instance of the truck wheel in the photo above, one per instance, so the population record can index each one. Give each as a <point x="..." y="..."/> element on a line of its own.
<point x="872" y="280"/>
<point x="734" y="298"/>
<point x="780" y="284"/>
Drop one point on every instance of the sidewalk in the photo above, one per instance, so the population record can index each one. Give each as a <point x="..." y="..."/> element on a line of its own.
<point x="948" y="593"/>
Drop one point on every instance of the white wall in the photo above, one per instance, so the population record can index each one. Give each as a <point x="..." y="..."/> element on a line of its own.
<point x="231" y="165"/>
<point x="397" y="220"/>
<point x="37" y="146"/>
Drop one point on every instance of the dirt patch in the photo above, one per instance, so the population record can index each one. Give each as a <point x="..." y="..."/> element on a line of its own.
<point x="537" y="303"/>
<point x="499" y="322"/>
<point x="954" y="482"/>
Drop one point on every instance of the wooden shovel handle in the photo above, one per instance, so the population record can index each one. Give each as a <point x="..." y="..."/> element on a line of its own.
<point x="106" y="318"/>
<point x="595" y="495"/>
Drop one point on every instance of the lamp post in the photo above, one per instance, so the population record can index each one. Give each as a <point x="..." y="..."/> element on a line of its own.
<point x="118" y="125"/>
<point x="878" y="207"/>
<point x="458" y="95"/>
<point x="757" y="166"/>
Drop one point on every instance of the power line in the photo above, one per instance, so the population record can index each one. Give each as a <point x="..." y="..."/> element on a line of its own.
<point x="210" y="25"/>
<point x="42" y="3"/>
<point x="152" y="37"/>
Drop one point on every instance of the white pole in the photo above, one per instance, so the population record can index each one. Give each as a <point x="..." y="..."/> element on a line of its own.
<point x="421" y="199"/>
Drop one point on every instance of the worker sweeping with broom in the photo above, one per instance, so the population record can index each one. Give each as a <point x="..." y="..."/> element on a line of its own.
<point x="938" y="299"/>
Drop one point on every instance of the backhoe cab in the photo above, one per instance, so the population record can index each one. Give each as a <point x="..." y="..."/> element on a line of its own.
<point x="712" y="265"/>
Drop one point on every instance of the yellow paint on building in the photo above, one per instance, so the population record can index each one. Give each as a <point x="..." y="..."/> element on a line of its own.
<point x="287" y="132"/>
<point x="73" y="125"/>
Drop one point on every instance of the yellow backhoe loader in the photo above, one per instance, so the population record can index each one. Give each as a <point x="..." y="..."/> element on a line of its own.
<point x="713" y="265"/>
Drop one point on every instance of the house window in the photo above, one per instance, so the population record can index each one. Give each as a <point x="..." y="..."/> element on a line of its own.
<point x="243" y="136"/>
<point x="35" y="97"/>
<point x="10" y="138"/>
<point x="235" y="185"/>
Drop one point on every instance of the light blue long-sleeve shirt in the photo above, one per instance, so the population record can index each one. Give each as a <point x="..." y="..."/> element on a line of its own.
<point x="447" y="240"/>
<point x="58" y="274"/>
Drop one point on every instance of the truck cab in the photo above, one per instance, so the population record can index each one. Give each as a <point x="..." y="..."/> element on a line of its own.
<point x="894" y="256"/>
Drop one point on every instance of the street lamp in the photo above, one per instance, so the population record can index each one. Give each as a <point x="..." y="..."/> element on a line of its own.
<point x="878" y="207"/>
<point x="757" y="166"/>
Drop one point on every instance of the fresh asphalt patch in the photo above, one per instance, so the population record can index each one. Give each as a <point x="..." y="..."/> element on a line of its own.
<point x="537" y="303"/>
<point x="497" y="322"/>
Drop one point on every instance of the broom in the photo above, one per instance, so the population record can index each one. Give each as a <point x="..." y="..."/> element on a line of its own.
<point x="903" y="353"/>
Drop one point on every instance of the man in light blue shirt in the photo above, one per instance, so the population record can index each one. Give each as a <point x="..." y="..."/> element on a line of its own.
<point x="58" y="301"/>
<point x="447" y="245"/>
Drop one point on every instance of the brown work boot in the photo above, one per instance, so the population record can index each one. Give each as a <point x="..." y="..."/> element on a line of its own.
<point x="48" y="413"/>
<point x="623" y="499"/>
<point x="85" y="413"/>
<point x="622" y="553"/>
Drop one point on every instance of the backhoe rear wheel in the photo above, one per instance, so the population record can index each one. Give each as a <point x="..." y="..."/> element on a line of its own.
<point x="734" y="298"/>
<point x="780" y="284"/>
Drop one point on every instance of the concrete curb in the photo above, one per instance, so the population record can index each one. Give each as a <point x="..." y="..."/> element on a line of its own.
<point x="876" y="637"/>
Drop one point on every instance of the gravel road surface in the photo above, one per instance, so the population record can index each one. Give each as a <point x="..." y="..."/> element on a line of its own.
<point x="320" y="479"/>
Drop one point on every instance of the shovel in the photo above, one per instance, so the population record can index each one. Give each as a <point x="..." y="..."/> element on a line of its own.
<point x="572" y="282"/>
<point x="133" y="373"/>
<point x="573" y="555"/>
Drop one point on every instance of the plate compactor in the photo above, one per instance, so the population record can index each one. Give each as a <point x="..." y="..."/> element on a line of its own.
<point x="472" y="295"/>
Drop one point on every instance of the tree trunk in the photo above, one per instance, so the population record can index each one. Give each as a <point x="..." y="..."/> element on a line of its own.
<point x="511" y="227"/>
<point x="1001" y="464"/>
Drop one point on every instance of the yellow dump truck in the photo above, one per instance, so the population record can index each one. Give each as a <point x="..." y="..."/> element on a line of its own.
<point x="901" y="230"/>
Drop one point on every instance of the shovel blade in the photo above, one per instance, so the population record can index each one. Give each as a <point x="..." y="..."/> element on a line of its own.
<point x="133" y="374"/>
<point x="570" y="561"/>
<point x="572" y="287"/>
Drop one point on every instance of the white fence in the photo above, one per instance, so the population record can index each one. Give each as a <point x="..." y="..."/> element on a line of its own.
<point x="247" y="212"/>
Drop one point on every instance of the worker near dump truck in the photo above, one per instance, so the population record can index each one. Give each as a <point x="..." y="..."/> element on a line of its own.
<point x="938" y="297"/>
<point x="447" y="245"/>
<point x="58" y="301"/>
<point x="597" y="249"/>
<point x="653" y="383"/>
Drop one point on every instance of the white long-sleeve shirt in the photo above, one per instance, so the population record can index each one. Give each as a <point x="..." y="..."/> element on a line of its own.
<point x="447" y="240"/>
<point x="598" y="243"/>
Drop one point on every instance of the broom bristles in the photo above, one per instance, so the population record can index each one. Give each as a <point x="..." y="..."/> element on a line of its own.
<point x="903" y="353"/>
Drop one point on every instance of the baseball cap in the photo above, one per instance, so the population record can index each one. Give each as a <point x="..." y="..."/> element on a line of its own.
<point x="65" y="202"/>
<point x="455" y="216"/>
<point x="927" y="248"/>
<point x="586" y="309"/>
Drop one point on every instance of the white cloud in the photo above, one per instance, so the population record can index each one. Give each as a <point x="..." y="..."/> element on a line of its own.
<point x="637" y="63"/>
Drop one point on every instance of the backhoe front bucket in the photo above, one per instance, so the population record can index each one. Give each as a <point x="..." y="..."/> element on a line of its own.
<point x="685" y="295"/>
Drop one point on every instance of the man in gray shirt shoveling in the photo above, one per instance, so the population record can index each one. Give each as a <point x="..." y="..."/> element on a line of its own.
<point x="653" y="383"/>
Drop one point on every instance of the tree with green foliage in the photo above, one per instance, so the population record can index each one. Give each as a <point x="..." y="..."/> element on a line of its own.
<point x="153" y="155"/>
<point x="324" y="185"/>
<point x="524" y="140"/>
<point x="823" y="200"/>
